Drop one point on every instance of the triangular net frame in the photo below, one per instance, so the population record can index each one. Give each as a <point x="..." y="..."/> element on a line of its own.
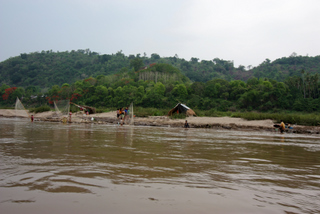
<point x="131" y="115"/>
<point x="20" y="109"/>
<point x="62" y="108"/>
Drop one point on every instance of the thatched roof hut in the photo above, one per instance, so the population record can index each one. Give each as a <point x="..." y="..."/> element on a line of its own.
<point x="181" y="108"/>
<point x="91" y="110"/>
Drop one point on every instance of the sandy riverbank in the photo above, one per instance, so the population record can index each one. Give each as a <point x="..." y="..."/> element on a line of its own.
<point x="194" y="122"/>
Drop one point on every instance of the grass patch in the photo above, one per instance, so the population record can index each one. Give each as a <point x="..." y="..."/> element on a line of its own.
<point x="145" y="112"/>
<point x="178" y="116"/>
<point x="300" y="118"/>
<point x="40" y="109"/>
<point x="6" y="107"/>
<point x="308" y="119"/>
<point x="212" y="113"/>
<point x="102" y="110"/>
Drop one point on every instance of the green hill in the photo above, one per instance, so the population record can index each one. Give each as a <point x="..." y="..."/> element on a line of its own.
<point x="281" y="69"/>
<point x="45" y="69"/>
<point x="49" y="68"/>
<point x="112" y="81"/>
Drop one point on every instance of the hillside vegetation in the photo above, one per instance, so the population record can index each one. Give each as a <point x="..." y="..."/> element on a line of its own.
<point x="48" y="68"/>
<point x="114" y="81"/>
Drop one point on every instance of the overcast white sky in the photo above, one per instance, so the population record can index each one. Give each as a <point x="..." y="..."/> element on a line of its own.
<point x="245" y="31"/>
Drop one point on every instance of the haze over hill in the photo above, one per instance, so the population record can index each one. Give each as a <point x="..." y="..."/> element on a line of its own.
<point x="245" y="32"/>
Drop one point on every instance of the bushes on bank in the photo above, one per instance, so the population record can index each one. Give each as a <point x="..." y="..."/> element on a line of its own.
<point x="311" y="119"/>
<point x="308" y="119"/>
<point x="145" y="112"/>
<point x="40" y="109"/>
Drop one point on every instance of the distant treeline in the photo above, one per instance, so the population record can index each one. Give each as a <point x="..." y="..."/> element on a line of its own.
<point x="46" y="68"/>
<point x="162" y="85"/>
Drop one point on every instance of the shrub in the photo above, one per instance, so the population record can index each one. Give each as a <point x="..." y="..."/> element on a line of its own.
<point x="40" y="109"/>
<point x="292" y="118"/>
<point x="73" y="108"/>
<point x="178" y="116"/>
<point x="145" y="112"/>
<point x="99" y="110"/>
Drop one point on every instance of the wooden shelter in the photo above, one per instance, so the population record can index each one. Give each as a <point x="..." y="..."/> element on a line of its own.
<point x="182" y="109"/>
<point x="91" y="110"/>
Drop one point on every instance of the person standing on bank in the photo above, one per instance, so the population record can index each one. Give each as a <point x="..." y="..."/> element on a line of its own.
<point x="282" y="126"/>
<point x="70" y="113"/>
<point x="118" y="113"/>
<point x="186" y="124"/>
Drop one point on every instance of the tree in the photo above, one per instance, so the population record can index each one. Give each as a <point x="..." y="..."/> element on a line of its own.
<point x="101" y="93"/>
<point x="180" y="92"/>
<point x="155" y="56"/>
<point x="118" y="97"/>
<point x="159" y="88"/>
<point x="3" y="88"/>
<point x="197" y="88"/>
<point x="19" y="92"/>
<point x="136" y="63"/>
<point x="210" y="89"/>
<point x="194" y="60"/>
<point x="65" y="91"/>
<point x="8" y="92"/>
<point x="238" y="88"/>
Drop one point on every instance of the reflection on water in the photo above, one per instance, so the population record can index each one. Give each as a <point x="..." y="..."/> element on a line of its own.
<point x="81" y="168"/>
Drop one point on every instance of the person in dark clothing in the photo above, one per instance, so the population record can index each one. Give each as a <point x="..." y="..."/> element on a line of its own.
<point x="186" y="124"/>
<point x="118" y="113"/>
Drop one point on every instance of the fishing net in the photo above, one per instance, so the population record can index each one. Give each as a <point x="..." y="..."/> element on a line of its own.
<point x="131" y="115"/>
<point x="62" y="108"/>
<point x="20" y="110"/>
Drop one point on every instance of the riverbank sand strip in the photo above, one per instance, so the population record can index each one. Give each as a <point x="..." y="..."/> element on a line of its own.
<point x="195" y="122"/>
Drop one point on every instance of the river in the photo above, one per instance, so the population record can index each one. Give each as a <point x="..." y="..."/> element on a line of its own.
<point x="88" y="168"/>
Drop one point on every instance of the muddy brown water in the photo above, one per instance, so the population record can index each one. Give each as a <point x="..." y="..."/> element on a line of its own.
<point x="87" y="168"/>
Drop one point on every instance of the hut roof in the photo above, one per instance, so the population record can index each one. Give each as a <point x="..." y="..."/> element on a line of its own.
<point x="182" y="108"/>
<point x="91" y="110"/>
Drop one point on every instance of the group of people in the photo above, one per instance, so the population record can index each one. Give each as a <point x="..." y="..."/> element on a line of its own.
<point x="85" y="111"/>
<point x="123" y="115"/>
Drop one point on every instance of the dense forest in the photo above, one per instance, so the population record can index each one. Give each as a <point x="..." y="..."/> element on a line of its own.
<point x="115" y="81"/>
<point x="45" y="69"/>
